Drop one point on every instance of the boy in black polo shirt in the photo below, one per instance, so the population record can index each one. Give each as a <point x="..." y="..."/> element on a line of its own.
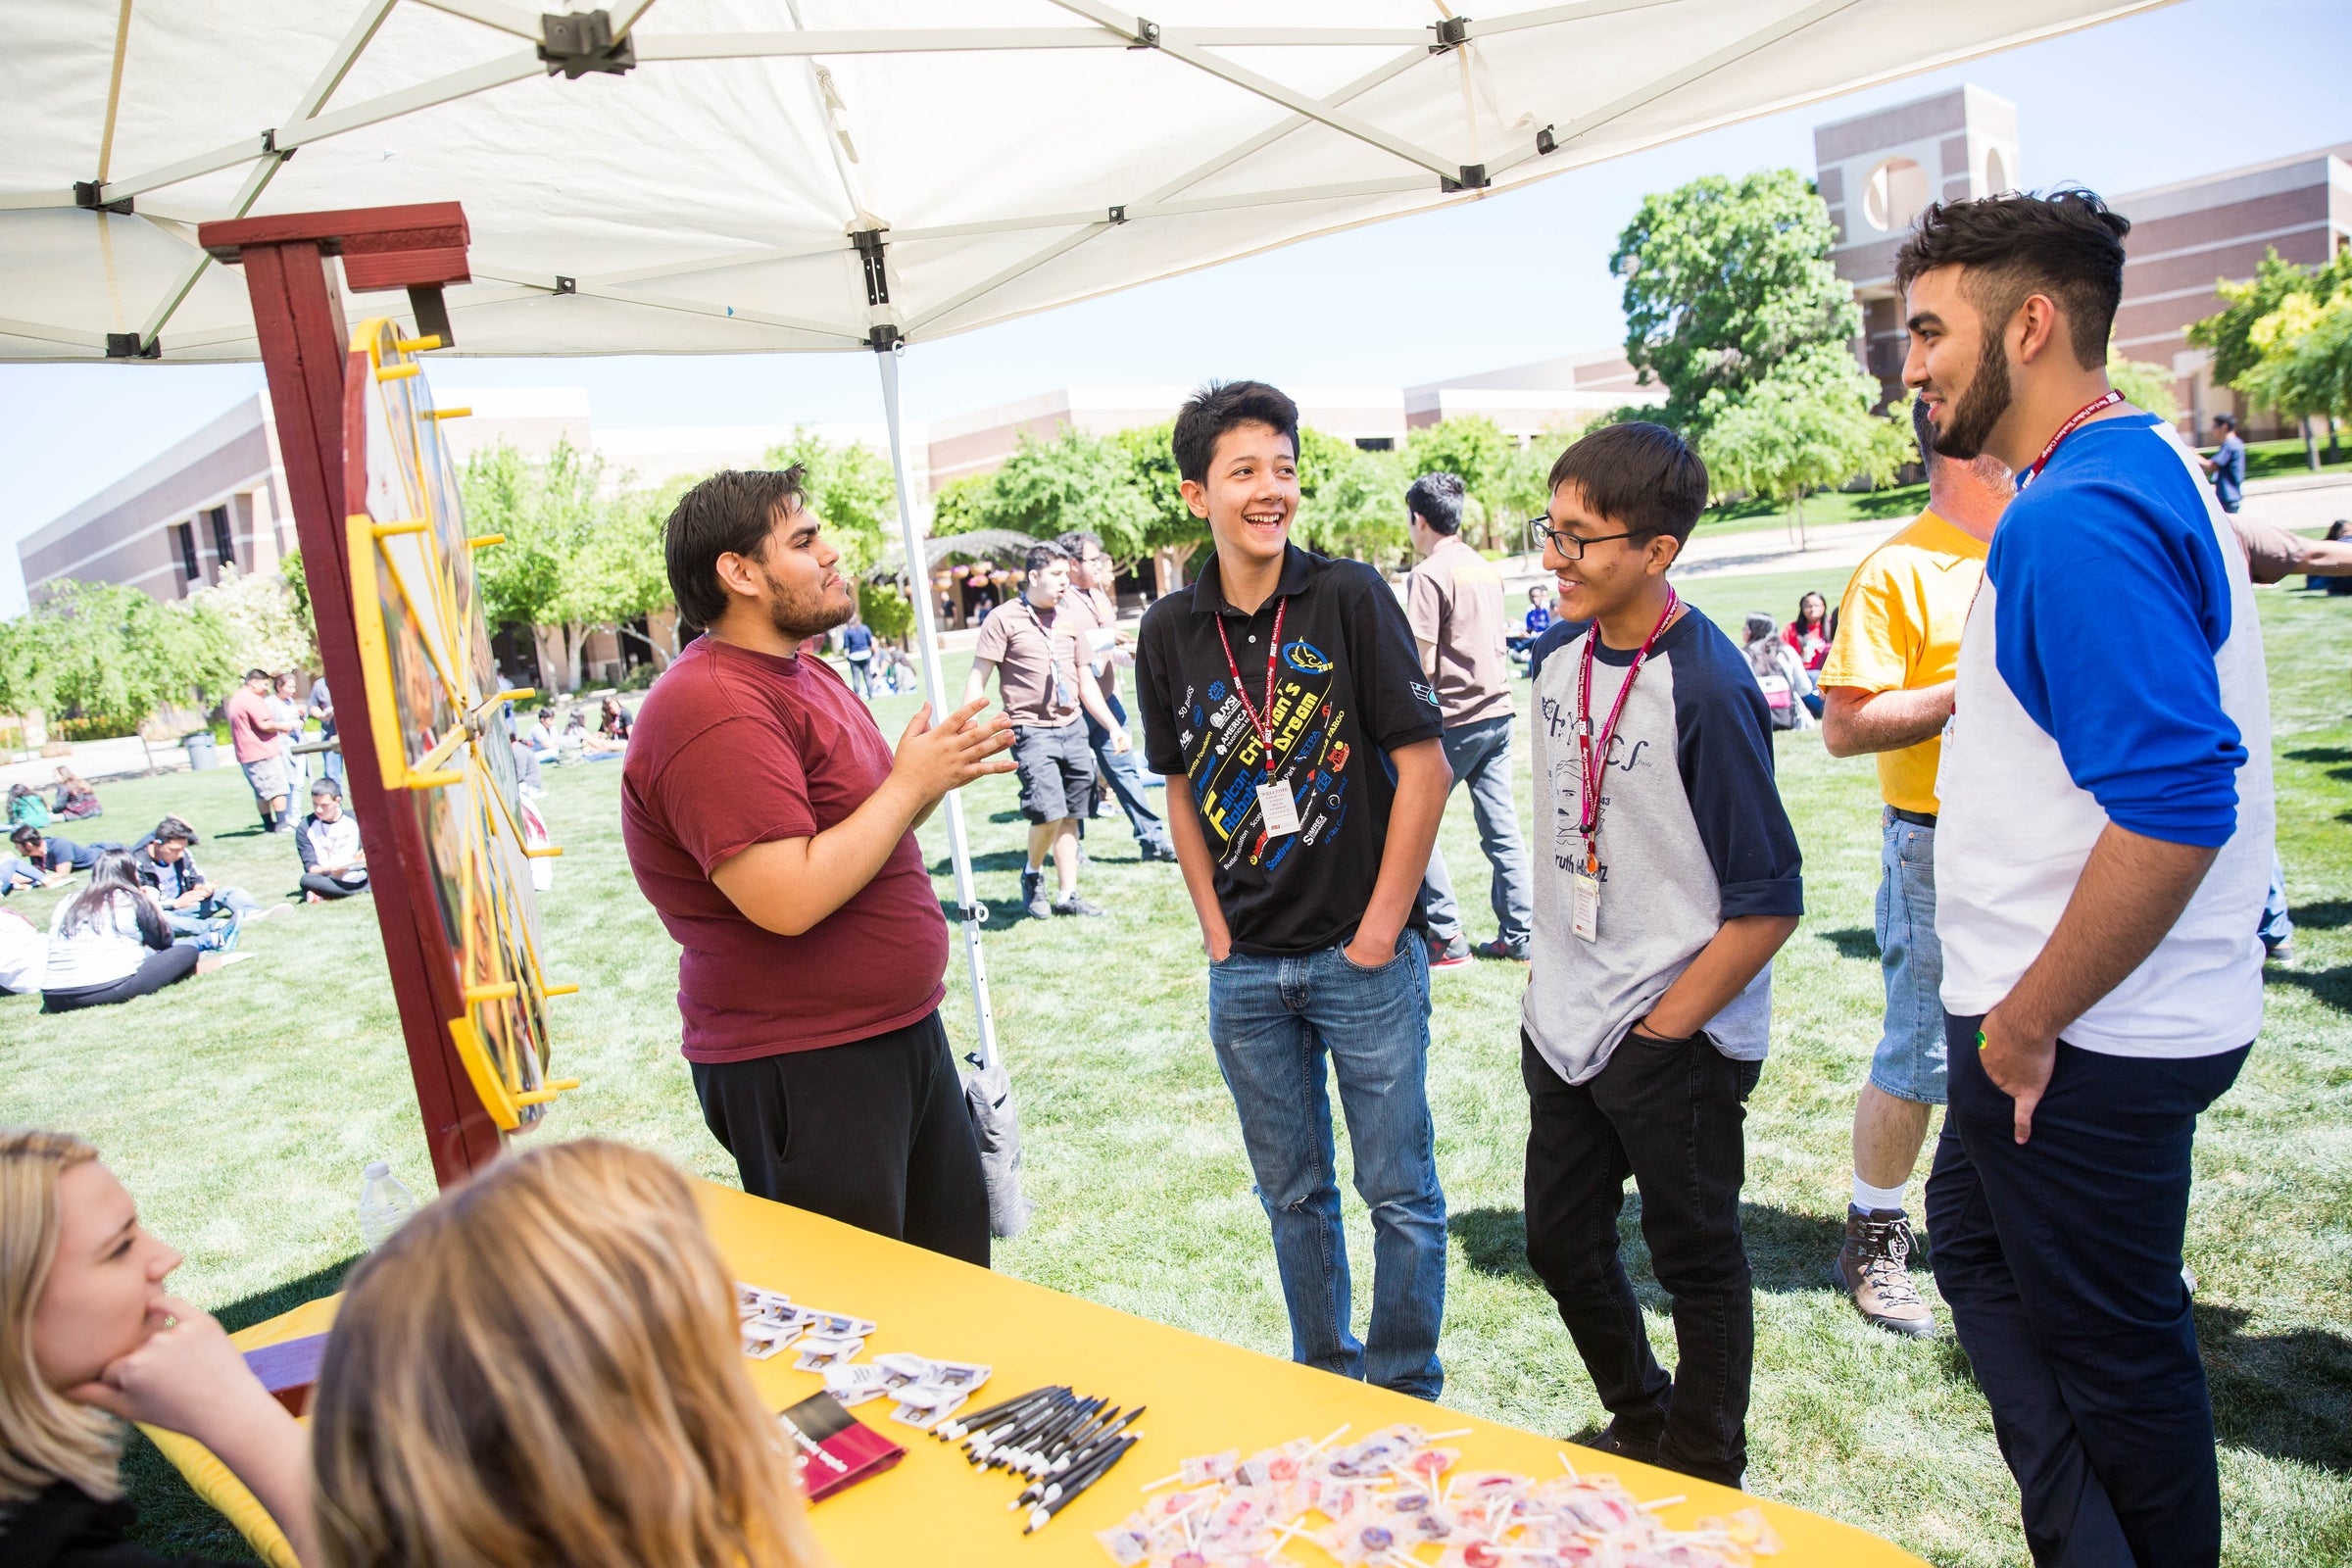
<point x="1284" y="701"/>
<point x="1666" y="878"/>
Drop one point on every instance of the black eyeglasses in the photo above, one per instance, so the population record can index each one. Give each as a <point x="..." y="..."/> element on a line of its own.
<point x="1540" y="531"/>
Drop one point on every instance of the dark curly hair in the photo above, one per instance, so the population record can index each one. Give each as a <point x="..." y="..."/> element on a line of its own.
<point x="2067" y="244"/>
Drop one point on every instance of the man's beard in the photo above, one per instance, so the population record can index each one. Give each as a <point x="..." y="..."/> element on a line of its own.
<point x="1980" y="407"/>
<point x="802" y="616"/>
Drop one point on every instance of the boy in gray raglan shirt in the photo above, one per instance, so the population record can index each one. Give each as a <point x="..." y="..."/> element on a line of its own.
<point x="1661" y="896"/>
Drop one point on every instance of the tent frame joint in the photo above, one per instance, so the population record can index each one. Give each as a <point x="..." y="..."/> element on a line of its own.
<point x="577" y="42"/>
<point x="885" y="339"/>
<point x="1146" y="34"/>
<point x="86" y="193"/>
<point x="131" y="346"/>
<point x="1546" y="142"/>
<point x="870" y="247"/>
<point x="1453" y="33"/>
<point x="1474" y="177"/>
<point x="566" y="286"/>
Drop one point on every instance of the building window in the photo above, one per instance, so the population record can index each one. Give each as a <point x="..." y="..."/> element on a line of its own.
<point x="184" y="533"/>
<point x="224" y="547"/>
<point x="1894" y="193"/>
<point x="1996" y="173"/>
<point x="1375" y="443"/>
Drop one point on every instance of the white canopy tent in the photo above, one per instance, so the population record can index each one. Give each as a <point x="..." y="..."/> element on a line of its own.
<point x="737" y="176"/>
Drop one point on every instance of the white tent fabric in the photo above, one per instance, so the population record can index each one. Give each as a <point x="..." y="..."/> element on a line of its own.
<point x="1011" y="155"/>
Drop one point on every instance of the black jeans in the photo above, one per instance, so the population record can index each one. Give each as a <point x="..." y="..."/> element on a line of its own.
<point x="158" y="970"/>
<point x="2061" y="1262"/>
<point x="327" y="887"/>
<point x="1671" y="1117"/>
<point x="873" y="1134"/>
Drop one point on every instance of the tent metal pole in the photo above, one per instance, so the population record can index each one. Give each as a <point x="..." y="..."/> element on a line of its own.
<point x="935" y="688"/>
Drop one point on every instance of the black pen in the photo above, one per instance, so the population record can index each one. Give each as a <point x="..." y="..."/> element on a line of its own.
<point x="1033" y="1449"/>
<point x="948" y="1431"/>
<point x="1043" y="1456"/>
<point x="1070" y="1464"/>
<point x="983" y="1447"/>
<point x="1041" y="1515"/>
<point x="1019" y="1449"/>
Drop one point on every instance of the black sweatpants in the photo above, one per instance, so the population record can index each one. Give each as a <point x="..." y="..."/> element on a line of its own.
<point x="1669" y="1115"/>
<point x="874" y="1134"/>
<point x="327" y="887"/>
<point x="158" y="970"/>
<point x="2060" y="1259"/>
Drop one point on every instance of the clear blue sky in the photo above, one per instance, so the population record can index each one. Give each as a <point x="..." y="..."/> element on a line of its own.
<point x="2197" y="87"/>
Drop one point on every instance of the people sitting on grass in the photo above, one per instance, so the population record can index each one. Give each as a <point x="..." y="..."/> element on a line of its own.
<point x="581" y="744"/>
<point x="1787" y="683"/>
<point x="44" y="860"/>
<point x="1809" y="633"/>
<point x="110" y="942"/>
<point x="24" y="954"/>
<point x="612" y="723"/>
<point x="193" y="907"/>
<point x="544" y="740"/>
<point x="333" y="864"/>
<point x="573" y="1294"/>
<point x="74" y="798"/>
<point x="92" y="1340"/>
<point x="25" y="807"/>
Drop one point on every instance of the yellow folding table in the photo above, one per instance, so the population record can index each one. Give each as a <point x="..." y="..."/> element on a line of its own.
<point x="1203" y="1396"/>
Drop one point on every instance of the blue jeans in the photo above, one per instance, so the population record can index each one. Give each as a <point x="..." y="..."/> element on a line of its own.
<point x="1909" y="1061"/>
<point x="1120" y="773"/>
<point x="1480" y="756"/>
<point x="213" y="916"/>
<point x="1272" y="1021"/>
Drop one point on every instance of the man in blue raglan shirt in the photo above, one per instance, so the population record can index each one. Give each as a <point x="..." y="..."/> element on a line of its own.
<point x="2100" y="861"/>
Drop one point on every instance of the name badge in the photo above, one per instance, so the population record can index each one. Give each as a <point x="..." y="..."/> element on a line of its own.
<point x="1588" y="904"/>
<point x="1278" y="811"/>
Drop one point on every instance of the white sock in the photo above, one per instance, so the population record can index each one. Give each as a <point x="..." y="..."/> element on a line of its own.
<point x="1868" y="1198"/>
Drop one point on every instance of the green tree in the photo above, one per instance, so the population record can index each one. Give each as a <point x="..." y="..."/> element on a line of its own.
<point x="2305" y="371"/>
<point x="2228" y="333"/>
<point x="887" y="611"/>
<point x="851" y="487"/>
<point x="1725" y="280"/>
<point x="1172" y="530"/>
<point x="1474" y="450"/>
<point x="105" y="658"/>
<point x="1076" y="480"/>
<point x="1351" y="502"/>
<point x="1805" y="427"/>
<point x="2145" y="384"/>
<point x="264" y="630"/>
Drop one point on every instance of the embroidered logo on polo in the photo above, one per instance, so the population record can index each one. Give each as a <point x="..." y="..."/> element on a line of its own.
<point x="1227" y="767"/>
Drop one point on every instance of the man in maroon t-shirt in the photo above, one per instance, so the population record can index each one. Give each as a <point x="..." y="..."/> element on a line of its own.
<point x="770" y="826"/>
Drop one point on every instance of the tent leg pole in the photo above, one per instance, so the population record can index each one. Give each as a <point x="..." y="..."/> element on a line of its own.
<point x="926" y="632"/>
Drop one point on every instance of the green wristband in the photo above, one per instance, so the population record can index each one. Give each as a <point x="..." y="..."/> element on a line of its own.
<point x="1980" y="1040"/>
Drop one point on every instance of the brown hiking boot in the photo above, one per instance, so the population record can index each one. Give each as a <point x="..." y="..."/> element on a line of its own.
<point x="1874" y="1267"/>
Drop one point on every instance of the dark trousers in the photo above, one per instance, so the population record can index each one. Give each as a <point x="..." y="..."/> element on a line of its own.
<point x="156" y="971"/>
<point x="1121" y="773"/>
<point x="873" y="1134"/>
<point x="2061" y="1262"/>
<point x="1669" y="1116"/>
<point x="327" y="887"/>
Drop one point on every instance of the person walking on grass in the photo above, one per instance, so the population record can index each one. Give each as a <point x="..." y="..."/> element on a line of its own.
<point x="1669" y="877"/>
<point x="2226" y="467"/>
<point x="1286" y="707"/>
<point x="1887" y="690"/>
<point x="256" y="736"/>
<point x="773" y="830"/>
<point x="1092" y="575"/>
<point x="1453" y="602"/>
<point x="858" y="647"/>
<point x="2100" y="857"/>
<point x="1031" y="643"/>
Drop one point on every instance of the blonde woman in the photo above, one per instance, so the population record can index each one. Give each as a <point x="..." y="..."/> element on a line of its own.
<point x="88" y="1335"/>
<point x="568" y="1313"/>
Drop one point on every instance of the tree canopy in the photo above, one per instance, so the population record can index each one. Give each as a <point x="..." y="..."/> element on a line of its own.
<point x="107" y="656"/>
<point x="1805" y="427"/>
<point x="1725" y="279"/>
<point x="2228" y="333"/>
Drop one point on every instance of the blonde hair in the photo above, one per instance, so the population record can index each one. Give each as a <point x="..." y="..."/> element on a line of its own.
<point x="543" y="1367"/>
<point x="44" y="1437"/>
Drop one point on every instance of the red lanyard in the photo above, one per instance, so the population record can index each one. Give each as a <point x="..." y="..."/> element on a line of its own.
<point x="2075" y="421"/>
<point x="1594" y="759"/>
<point x="1262" y="729"/>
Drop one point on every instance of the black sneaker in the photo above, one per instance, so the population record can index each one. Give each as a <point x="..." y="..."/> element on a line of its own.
<point x="1612" y="1440"/>
<point x="1455" y="954"/>
<point x="1072" y="903"/>
<point x="1033" y="895"/>
<point x="1158" y="852"/>
<point x="1499" y="949"/>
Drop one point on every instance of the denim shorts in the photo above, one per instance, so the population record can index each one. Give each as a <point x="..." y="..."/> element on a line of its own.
<point x="1909" y="1061"/>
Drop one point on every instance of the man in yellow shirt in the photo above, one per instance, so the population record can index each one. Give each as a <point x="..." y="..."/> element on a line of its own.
<point x="1888" y="689"/>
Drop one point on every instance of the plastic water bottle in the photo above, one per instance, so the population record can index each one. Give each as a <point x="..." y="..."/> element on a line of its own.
<point x="385" y="1204"/>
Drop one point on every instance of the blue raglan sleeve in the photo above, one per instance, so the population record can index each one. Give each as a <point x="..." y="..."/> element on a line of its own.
<point x="2112" y="599"/>
<point x="1722" y="748"/>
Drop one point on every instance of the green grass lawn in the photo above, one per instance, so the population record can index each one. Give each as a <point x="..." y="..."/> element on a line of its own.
<point x="241" y="1106"/>
<point x="2285" y="460"/>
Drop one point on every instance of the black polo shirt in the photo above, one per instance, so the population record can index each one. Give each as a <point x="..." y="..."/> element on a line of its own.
<point x="1348" y="689"/>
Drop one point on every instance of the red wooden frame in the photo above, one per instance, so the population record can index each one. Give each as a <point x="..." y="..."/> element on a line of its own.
<point x="317" y="390"/>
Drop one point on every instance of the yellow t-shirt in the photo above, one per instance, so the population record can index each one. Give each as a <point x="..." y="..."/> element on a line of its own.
<point x="1898" y="629"/>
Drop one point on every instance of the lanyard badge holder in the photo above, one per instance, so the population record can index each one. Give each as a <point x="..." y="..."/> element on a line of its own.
<point x="1277" y="808"/>
<point x="1593" y="757"/>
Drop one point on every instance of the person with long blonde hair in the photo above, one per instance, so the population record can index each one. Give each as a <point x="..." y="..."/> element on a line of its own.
<point x="89" y="1339"/>
<point x="567" y="1313"/>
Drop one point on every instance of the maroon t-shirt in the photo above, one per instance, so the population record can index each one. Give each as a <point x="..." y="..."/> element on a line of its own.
<point x="732" y="749"/>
